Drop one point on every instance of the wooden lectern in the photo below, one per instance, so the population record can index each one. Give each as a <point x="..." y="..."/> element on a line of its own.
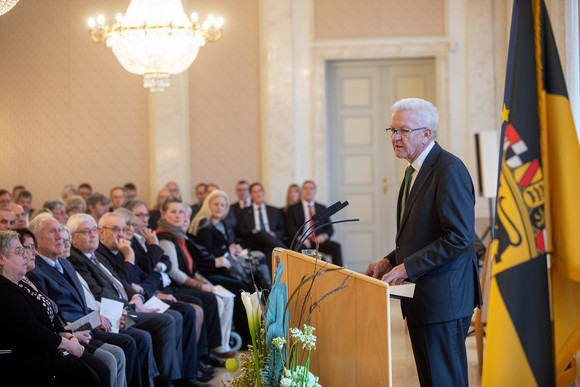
<point x="353" y="329"/>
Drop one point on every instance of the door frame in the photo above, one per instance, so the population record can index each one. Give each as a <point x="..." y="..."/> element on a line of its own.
<point x="438" y="50"/>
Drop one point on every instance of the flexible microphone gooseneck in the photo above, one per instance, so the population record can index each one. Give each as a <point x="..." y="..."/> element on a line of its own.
<point x="304" y="237"/>
<point x="315" y="218"/>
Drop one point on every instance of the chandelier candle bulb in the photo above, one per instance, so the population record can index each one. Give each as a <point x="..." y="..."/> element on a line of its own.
<point x="156" y="39"/>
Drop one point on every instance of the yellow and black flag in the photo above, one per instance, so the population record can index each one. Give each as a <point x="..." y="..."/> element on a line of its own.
<point x="533" y="329"/>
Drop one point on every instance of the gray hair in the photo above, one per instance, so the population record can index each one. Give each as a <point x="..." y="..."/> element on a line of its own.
<point x="425" y="111"/>
<point x="75" y="221"/>
<point x="134" y="203"/>
<point x="108" y="215"/>
<point x="75" y="201"/>
<point x="36" y="224"/>
<point x="128" y="215"/>
<point x="6" y="238"/>
<point x="53" y="204"/>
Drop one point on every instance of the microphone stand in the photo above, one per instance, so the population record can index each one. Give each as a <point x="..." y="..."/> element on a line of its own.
<point x="303" y="239"/>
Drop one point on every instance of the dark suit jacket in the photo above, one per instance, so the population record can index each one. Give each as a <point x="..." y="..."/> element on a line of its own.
<point x="127" y="271"/>
<point x="246" y="222"/>
<point x="435" y="241"/>
<point x="295" y="218"/>
<point x="25" y="328"/>
<point x="98" y="282"/>
<point x="66" y="292"/>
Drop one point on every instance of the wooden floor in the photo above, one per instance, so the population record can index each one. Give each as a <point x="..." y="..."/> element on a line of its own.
<point x="404" y="372"/>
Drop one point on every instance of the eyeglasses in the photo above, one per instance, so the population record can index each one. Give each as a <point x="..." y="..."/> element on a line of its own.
<point x="87" y="232"/>
<point x="402" y="132"/>
<point x="30" y="249"/>
<point x="19" y="251"/>
<point x="131" y="224"/>
<point x="144" y="216"/>
<point x="116" y="230"/>
<point x="6" y="221"/>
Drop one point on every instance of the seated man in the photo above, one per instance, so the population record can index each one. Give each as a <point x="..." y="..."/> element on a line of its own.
<point x="24" y="199"/>
<point x="21" y="221"/>
<point x="169" y="345"/>
<point x="65" y="289"/>
<point x="260" y="226"/>
<point x="97" y="205"/>
<point x="300" y="212"/>
<point x="118" y="198"/>
<point x="5" y="198"/>
<point x="7" y="219"/>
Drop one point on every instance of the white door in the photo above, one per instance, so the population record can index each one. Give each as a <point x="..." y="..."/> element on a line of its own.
<point x="362" y="166"/>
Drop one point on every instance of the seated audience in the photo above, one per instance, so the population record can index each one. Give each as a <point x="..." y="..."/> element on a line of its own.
<point x="29" y="329"/>
<point x="300" y="212"/>
<point x="292" y="197"/>
<point x="21" y="221"/>
<point x="68" y="190"/>
<point x="85" y="191"/>
<point x="173" y="189"/>
<point x="74" y="205"/>
<point x="5" y="198"/>
<point x="24" y="199"/>
<point x="260" y="226"/>
<point x="66" y="290"/>
<point x="200" y="194"/>
<point x="16" y="190"/>
<point x="97" y="205"/>
<point x="155" y="213"/>
<point x="209" y="230"/>
<point x="174" y="242"/>
<point x="56" y="208"/>
<point x="118" y="198"/>
<point x="130" y="191"/>
<point x="111" y="355"/>
<point x="7" y="219"/>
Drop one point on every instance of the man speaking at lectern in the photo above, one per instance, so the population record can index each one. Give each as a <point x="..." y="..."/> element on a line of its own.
<point x="434" y="246"/>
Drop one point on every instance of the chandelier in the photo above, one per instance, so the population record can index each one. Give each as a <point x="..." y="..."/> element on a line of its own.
<point x="155" y="38"/>
<point x="6" y="5"/>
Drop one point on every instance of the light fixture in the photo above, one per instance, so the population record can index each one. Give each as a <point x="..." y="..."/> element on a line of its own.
<point x="155" y="38"/>
<point x="6" y="5"/>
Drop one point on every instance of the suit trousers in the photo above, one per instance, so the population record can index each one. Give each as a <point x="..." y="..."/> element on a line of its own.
<point x="440" y="354"/>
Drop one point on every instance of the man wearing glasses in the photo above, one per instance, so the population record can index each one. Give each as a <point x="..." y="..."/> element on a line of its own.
<point x="434" y="246"/>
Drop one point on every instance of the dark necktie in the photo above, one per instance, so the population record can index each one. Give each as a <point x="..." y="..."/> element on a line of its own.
<point x="262" y="223"/>
<point x="408" y="177"/>
<point x="118" y="285"/>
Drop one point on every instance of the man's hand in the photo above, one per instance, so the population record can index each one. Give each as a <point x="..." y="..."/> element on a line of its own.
<point x="379" y="268"/>
<point x="166" y="297"/>
<point x="397" y="274"/>
<point x="207" y="288"/>
<point x="105" y="324"/>
<point x="150" y="236"/>
<point x="83" y="336"/>
<point x="307" y="243"/>
<point x="222" y="262"/>
<point x="139" y="307"/>
<point x="124" y="247"/>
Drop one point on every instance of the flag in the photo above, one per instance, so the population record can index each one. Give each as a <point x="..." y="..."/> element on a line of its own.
<point x="536" y="254"/>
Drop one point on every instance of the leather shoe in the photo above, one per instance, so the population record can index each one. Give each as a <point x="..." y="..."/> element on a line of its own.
<point x="226" y="355"/>
<point x="204" y="377"/>
<point x="213" y="360"/>
<point x="206" y="368"/>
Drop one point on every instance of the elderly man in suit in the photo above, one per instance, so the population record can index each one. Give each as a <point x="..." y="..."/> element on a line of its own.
<point x="57" y="278"/>
<point x="434" y="246"/>
<point x="261" y="226"/>
<point x="298" y="213"/>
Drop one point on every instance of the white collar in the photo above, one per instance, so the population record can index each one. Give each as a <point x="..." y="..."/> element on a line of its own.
<point x="421" y="159"/>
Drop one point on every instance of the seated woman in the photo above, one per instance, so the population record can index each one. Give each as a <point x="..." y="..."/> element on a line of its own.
<point x="210" y="233"/>
<point x="292" y="196"/>
<point x="183" y="274"/>
<point x="42" y="352"/>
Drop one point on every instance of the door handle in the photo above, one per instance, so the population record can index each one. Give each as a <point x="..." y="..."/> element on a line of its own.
<point x="385" y="186"/>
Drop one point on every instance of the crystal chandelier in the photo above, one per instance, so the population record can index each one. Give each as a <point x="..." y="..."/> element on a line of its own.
<point x="155" y="38"/>
<point x="6" y="5"/>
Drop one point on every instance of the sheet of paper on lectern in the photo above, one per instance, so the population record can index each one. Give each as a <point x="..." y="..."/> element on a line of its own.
<point x="406" y="289"/>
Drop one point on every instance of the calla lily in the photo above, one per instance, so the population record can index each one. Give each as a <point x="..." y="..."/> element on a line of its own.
<point x="254" y="313"/>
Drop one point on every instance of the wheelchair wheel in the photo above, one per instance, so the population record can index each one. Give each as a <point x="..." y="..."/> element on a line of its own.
<point x="235" y="341"/>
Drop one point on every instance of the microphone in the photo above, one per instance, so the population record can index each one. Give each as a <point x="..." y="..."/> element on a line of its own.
<point x="328" y="211"/>
<point x="314" y="218"/>
<point x="319" y="227"/>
